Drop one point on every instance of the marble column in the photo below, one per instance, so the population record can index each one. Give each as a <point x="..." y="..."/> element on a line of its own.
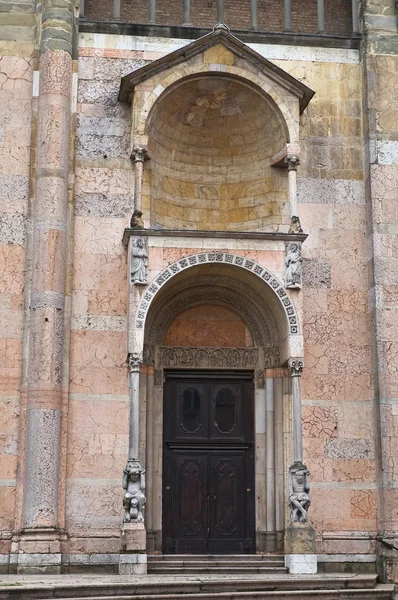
<point x="133" y="558"/>
<point x="47" y="304"/>
<point x="292" y="164"/>
<point x="138" y="156"/>
<point x="296" y="367"/>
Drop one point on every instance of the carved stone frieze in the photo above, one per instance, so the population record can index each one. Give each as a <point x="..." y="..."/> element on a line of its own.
<point x="293" y="263"/>
<point x="260" y="379"/>
<point x="213" y="258"/>
<point x="139" y="261"/>
<point x="158" y="377"/>
<point x="215" y="358"/>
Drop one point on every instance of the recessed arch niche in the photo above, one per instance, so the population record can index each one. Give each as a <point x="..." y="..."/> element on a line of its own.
<point x="210" y="141"/>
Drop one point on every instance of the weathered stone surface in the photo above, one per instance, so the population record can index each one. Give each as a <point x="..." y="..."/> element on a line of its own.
<point x="14" y="187"/>
<point x="316" y="274"/>
<point x="104" y="205"/>
<point x="12" y="229"/>
<point x="349" y="448"/>
<point x="330" y="191"/>
<point x="105" y="69"/>
<point x="300" y="539"/>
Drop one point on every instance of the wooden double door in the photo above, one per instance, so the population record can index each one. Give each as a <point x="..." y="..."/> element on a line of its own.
<point x="208" y="463"/>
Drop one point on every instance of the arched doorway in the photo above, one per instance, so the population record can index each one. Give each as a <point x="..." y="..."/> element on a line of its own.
<point x="217" y="337"/>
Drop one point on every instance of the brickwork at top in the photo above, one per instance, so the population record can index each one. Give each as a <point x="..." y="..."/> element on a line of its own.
<point x="338" y="16"/>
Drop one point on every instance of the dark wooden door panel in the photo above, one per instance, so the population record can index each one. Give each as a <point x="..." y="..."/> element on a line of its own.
<point x="208" y="464"/>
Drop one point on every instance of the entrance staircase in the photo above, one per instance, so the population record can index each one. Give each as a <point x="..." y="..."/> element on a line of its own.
<point x="173" y="564"/>
<point x="250" y="577"/>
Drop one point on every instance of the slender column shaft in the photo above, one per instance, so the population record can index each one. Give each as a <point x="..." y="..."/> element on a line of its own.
<point x="149" y="448"/>
<point x="355" y="17"/>
<point x="270" y="460"/>
<point x="296" y="367"/>
<point x="253" y="14"/>
<point x="81" y="12"/>
<point x="49" y="249"/>
<point x="152" y="12"/>
<point x="288" y="15"/>
<point x="321" y="16"/>
<point x="134" y="414"/>
<point x="116" y="10"/>
<point x="278" y="418"/>
<point x="292" y="163"/>
<point x="138" y="156"/>
<point x="186" y="19"/>
<point x="220" y="10"/>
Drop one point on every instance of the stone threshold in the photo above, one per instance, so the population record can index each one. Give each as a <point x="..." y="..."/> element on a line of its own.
<point x="227" y="235"/>
<point x="247" y="36"/>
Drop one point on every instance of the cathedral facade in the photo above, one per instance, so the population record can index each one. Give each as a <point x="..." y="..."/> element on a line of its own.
<point x="199" y="283"/>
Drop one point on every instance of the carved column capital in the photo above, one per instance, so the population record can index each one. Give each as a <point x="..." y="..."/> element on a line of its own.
<point x="134" y="361"/>
<point x="138" y="154"/>
<point x="295" y="366"/>
<point x="292" y="162"/>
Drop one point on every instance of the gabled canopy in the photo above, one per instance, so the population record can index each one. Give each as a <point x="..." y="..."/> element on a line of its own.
<point x="220" y="35"/>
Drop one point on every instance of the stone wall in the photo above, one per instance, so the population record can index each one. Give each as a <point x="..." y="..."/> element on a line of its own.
<point x="16" y="78"/>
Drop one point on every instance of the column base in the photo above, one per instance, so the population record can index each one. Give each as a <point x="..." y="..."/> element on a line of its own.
<point x="301" y="563"/>
<point x="300" y="550"/>
<point x="36" y="551"/>
<point x="133" y="555"/>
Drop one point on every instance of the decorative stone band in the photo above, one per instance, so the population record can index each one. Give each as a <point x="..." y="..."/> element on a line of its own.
<point x="218" y="257"/>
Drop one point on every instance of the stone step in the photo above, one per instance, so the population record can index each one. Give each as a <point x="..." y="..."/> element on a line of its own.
<point x="242" y="568"/>
<point x="214" y="557"/>
<point x="380" y="592"/>
<point x="327" y="586"/>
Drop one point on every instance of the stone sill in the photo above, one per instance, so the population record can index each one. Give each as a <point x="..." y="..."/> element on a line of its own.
<point x="247" y="36"/>
<point x="227" y="235"/>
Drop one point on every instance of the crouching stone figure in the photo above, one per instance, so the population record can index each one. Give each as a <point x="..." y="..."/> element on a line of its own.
<point x="299" y="493"/>
<point x="134" y="497"/>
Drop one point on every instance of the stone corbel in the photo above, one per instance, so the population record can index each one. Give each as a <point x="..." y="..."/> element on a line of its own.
<point x="295" y="366"/>
<point x="134" y="362"/>
<point x="293" y="264"/>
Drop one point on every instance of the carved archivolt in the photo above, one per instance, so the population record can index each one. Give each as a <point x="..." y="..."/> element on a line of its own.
<point x="217" y="257"/>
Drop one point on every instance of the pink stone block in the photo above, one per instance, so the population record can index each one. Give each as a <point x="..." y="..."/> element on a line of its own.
<point x="99" y="236"/>
<point x="103" y="181"/>
<point x="12" y="269"/>
<point x="86" y="272"/>
<point x="98" y="349"/>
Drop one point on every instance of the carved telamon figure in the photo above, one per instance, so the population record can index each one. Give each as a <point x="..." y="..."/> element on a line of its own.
<point x="299" y="493"/>
<point x="293" y="262"/>
<point x="139" y="257"/>
<point x="134" y="498"/>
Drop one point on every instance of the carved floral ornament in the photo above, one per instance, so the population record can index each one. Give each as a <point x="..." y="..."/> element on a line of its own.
<point x="217" y="257"/>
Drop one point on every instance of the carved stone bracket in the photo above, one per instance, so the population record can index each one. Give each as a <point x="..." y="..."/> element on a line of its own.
<point x="134" y="497"/>
<point x="139" y="261"/>
<point x="138" y="154"/>
<point x="134" y="361"/>
<point x="295" y="366"/>
<point x="292" y="162"/>
<point x="293" y="263"/>
<point x="299" y="492"/>
<point x="158" y="377"/>
<point x="260" y="379"/>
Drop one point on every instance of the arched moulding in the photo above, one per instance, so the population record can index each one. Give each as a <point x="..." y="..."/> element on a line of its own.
<point x="218" y="257"/>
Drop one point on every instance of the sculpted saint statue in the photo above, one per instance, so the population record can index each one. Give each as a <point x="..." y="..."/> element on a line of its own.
<point x="134" y="498"/>
<point x="299" y="494"/>
<point x="139" y="256"/>
<point x="293" y="262"/>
